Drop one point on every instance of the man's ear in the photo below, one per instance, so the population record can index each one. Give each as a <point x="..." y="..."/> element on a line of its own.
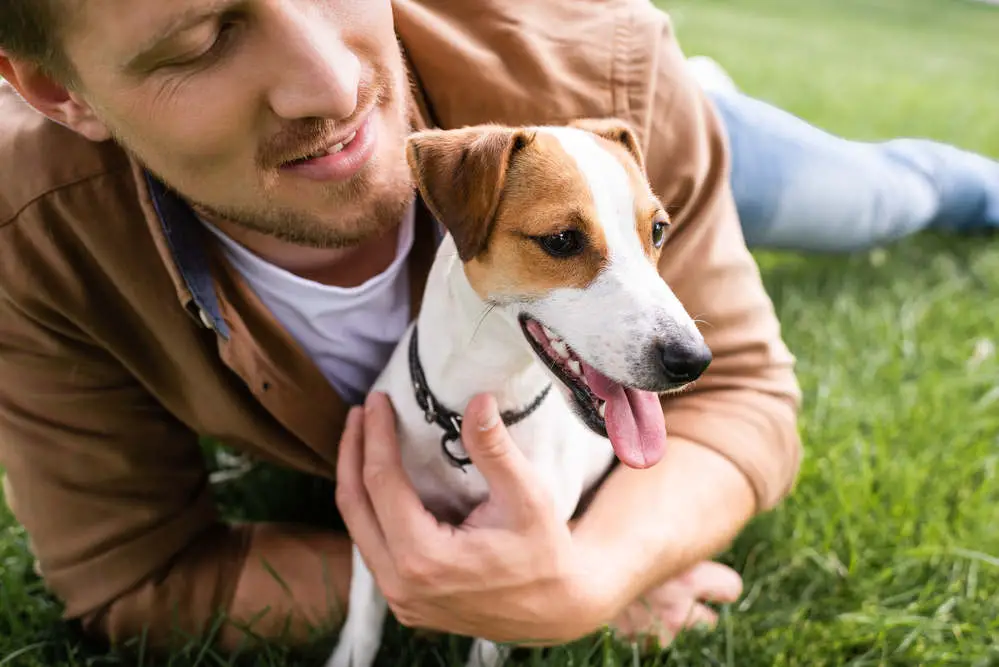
<point x="461" y="175"/>
<point x="52" y="98"/>
<point x="616" y="130"/>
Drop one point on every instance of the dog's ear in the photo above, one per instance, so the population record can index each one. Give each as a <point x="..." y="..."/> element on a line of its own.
<point x="616" y="130"/>
<point x="461" y="175"/>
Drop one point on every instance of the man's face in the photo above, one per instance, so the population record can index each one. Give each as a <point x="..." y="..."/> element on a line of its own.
<point x="225" y="99"/>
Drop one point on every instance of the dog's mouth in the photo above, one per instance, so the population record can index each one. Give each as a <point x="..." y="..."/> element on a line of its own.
<point x="631" y="418"/>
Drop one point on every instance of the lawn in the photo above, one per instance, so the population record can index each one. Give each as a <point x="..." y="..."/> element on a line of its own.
<point x="887" y="553"/>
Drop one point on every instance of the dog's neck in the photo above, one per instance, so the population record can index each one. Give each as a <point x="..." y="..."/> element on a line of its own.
<point x="466" y="348"/>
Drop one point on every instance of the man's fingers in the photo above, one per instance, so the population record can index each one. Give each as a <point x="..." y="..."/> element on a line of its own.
<point x="398" y="507"/>
<point x="663" y="623"/>
<point x="352" y="498"/>
<point x="697" y="616"/>
<point x="494" y="453"/>
<point x="714" y="582"/>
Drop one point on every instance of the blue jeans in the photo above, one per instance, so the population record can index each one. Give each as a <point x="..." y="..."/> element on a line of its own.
<point x="798" y="187"/>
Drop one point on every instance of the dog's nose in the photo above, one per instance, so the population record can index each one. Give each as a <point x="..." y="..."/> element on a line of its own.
<point x="684" y="362"/>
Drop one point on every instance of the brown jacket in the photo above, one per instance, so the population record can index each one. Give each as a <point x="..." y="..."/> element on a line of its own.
<point x="124" y="336"/>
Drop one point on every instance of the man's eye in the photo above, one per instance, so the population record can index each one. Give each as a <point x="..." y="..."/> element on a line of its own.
<point x="209" y="54"/>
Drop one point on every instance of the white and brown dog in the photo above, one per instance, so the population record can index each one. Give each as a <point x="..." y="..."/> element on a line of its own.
<point x="547" y="278"/>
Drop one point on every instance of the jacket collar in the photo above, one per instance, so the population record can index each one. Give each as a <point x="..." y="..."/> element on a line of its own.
<point x="182" y="232"/>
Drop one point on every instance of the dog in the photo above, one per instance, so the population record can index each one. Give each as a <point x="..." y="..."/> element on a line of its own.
<point x="544" y="292"/>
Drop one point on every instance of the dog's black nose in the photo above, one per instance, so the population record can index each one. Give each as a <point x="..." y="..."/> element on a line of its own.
<point x="684" y="362"/>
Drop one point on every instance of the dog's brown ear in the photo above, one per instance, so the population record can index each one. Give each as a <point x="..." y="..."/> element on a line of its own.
<point x="461" y="175"/>
<point x="616" y="130"/>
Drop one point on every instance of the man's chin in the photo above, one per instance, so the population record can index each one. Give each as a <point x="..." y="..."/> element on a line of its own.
<point x="332" y="222"/>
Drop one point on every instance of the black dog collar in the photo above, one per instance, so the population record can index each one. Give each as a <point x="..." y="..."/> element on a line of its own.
<point x="448" y="420"/>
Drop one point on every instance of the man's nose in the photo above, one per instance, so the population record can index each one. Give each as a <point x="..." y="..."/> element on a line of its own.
<point x="316" y="74"/>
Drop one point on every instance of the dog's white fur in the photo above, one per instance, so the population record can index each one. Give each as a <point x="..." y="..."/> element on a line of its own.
<point x="624" y="311"/>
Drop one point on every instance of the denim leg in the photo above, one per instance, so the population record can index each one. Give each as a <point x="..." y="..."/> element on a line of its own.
<point x="798" y="187"/>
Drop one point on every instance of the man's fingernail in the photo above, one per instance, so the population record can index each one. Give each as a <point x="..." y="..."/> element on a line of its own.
<point x="489" y="417"/>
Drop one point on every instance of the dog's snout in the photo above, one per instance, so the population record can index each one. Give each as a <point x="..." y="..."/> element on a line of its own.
<point x="684" y="362"/>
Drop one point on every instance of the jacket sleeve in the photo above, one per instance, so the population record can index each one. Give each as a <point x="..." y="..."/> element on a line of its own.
<point x="745" y="406"/>
<point x="112" y="491"/>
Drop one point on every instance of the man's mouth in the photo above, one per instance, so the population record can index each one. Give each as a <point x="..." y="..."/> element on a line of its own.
<point x="323" y="152"/>
<point x="338" y="158"/>
<point x="631" y="418"/>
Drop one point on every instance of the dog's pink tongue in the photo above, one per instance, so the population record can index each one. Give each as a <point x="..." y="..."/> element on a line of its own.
<point x="634" y="419"/>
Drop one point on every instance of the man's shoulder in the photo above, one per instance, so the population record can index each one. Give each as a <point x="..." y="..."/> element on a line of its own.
<point x="40" y="158"/>
<point x="67" y="206"/>
<point x="528" y="62"/>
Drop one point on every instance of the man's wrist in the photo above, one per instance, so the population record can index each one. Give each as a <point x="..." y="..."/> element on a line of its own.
<point x="592" y="591"/>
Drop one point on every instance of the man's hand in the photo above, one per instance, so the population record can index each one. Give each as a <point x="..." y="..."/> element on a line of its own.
<point x="510" y="573"/>
<point x="679" y="603"/>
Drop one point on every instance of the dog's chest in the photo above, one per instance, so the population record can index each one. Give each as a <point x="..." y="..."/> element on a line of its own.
<point x="566" y="459"/>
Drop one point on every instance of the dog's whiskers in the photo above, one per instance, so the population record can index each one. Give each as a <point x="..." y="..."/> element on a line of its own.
<point x="482" y="318"/>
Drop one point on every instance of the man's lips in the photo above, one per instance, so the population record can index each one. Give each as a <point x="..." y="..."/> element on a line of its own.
<point x="338" y="159"/>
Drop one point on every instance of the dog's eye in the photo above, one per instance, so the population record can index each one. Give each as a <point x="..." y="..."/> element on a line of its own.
<point x="564" y="244"/>
<point x="660" y="224"/>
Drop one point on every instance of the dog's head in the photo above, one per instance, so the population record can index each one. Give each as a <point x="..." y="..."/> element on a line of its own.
<point x="559" y="228"/>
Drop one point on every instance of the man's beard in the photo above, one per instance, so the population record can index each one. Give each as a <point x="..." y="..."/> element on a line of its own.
<point x="373" y="201"/>
<point x="385" y="208"/>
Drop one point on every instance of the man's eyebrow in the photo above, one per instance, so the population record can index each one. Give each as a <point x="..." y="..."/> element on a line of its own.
<point x="187" y="19"/>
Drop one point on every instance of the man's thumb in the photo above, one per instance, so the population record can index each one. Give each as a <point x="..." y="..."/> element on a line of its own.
<point x="489" y="445"/>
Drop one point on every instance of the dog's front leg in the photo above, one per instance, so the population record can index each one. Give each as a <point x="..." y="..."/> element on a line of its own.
<point x="361" y="635"/>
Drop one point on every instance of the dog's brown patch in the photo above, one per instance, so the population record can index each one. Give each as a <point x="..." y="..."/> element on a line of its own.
<point x="545" y="194"/>
<point x="461" y="175"/>
<point x="499" y="190"/>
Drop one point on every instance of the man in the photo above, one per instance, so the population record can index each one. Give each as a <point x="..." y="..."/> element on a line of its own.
<point x="801" y="188"/>
<point x="207" y="228"/>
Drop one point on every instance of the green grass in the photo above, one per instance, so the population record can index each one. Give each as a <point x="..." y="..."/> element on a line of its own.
<point x="887" y="552"/>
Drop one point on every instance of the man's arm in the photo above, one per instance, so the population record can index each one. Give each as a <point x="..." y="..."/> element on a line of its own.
<point x="654" y="524"/>
<point x="290" y="584"/>
<point x="114" y="495"/>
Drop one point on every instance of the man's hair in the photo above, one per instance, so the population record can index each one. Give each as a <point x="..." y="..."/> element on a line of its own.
<point x="29" y="30"/>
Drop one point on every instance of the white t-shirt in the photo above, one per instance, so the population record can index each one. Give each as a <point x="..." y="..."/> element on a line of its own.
<point x="350" y="332"/>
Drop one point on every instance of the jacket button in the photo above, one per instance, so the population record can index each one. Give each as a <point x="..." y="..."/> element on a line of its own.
<point x="206" y="319"/>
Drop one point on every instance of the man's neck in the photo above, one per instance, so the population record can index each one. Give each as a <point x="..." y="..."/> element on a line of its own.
<point x="338" y="267"/>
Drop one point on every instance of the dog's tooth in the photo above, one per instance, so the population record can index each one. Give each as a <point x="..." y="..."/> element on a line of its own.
<point x="602" y="410"/>
<point x="561" y="348"/>
<point x="575" y="367"/>
<point x="548" y="332"/>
